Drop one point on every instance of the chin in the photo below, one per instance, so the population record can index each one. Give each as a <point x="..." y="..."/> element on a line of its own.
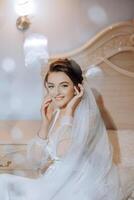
<point x="61" y="104"/>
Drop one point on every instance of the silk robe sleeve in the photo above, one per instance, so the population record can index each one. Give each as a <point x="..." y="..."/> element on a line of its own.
<point x="65" y="138"/>
<point x="37" y="152"/>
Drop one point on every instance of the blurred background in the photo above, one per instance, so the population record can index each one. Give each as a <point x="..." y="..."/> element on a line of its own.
<point x="65" y="25"/>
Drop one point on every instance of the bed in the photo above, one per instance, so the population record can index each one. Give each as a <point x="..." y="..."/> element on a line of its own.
<point x="108" y="62"/>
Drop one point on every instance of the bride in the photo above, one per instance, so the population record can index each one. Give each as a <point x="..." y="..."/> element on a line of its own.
<point x="71" y="148"/>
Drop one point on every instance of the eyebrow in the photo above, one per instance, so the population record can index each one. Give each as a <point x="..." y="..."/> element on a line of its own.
<point x="60" y="82"/>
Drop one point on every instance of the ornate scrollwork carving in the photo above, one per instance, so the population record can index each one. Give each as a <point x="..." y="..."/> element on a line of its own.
<point x="132" y="39"/>
<point x="7" y="164"/>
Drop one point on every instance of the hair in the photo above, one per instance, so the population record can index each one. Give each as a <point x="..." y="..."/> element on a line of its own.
<point x="69" y="67"/>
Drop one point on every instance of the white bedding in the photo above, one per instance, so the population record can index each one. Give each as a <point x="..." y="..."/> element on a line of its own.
<point x="123" y="147"/>
<point x="123" y="143"/>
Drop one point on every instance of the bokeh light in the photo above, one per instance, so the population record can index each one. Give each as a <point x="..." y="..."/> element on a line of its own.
<point x="35" y="49"/>
<point x="94" y="71"/>
<point x="8" y="65"/>
<point x="97" y="15"/>
<point x="16" y="133"/>
<point x="24" y="7"/>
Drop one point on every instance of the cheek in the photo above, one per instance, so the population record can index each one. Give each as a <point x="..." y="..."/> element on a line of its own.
<point x="69" y="93"/>
<point x="50" y="92"/>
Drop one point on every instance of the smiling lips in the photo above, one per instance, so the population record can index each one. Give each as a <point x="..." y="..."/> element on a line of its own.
<point x="59" y="97"/>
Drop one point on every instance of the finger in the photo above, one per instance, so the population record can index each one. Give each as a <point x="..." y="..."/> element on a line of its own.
<point x="81" y="89"/>
<point x="45" y="106"/>
<point x="76" y="90"/>
<point x="47" y="101"/>
<point x="43" y="109"/>
<point x="79" y="93"/>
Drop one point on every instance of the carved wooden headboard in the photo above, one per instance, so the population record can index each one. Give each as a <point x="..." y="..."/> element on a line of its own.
<point x="112" y="50"/>
<point x="112" y="53"/>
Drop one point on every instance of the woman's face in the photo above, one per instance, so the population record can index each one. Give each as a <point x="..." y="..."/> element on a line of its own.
<point x="60" y="88"/>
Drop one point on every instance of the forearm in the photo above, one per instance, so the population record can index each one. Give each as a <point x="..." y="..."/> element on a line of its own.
<point x="43" y="131"/>
<point x="69" y="112"/>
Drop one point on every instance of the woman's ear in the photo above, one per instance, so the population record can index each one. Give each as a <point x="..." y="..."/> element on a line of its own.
<point x="78" y="88"/>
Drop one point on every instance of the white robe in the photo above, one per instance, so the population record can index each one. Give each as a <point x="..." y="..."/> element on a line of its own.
<point x="78" y="175"/>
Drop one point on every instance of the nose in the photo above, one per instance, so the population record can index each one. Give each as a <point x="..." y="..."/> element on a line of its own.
<point x="56" y="91"/>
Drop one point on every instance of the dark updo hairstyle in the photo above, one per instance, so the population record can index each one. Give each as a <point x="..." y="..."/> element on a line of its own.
<point x="69" y="67"/>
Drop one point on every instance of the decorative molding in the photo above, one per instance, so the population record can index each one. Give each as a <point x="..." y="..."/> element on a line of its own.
<point x="7" y="153"/>
<point x="109" y="42"/>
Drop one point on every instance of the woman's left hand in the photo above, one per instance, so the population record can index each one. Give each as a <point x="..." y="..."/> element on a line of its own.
<point x="71" y="106"/>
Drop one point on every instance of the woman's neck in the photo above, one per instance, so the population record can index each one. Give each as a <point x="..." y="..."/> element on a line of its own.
<point x="62" y="112"/>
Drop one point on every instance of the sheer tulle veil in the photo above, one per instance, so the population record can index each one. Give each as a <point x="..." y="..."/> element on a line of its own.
<point x="88" y="161"/>
<point x="84" y="172"/>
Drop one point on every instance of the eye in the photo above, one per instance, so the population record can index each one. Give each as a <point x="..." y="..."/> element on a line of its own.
<point x="64" y="85"/>
<point x="50" y="86"/>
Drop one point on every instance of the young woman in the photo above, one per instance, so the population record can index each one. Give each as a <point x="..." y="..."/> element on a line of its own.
<point x="71" y="148"/>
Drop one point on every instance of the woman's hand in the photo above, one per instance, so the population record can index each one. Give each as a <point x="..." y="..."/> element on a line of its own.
<point x="71" y="106"/>
<point x="47" y="110"/>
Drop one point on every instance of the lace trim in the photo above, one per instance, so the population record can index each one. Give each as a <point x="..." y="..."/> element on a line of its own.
<point x="41" y="140"/>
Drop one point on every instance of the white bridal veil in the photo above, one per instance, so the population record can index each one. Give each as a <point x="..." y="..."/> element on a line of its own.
<point x="86" y="171"/>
